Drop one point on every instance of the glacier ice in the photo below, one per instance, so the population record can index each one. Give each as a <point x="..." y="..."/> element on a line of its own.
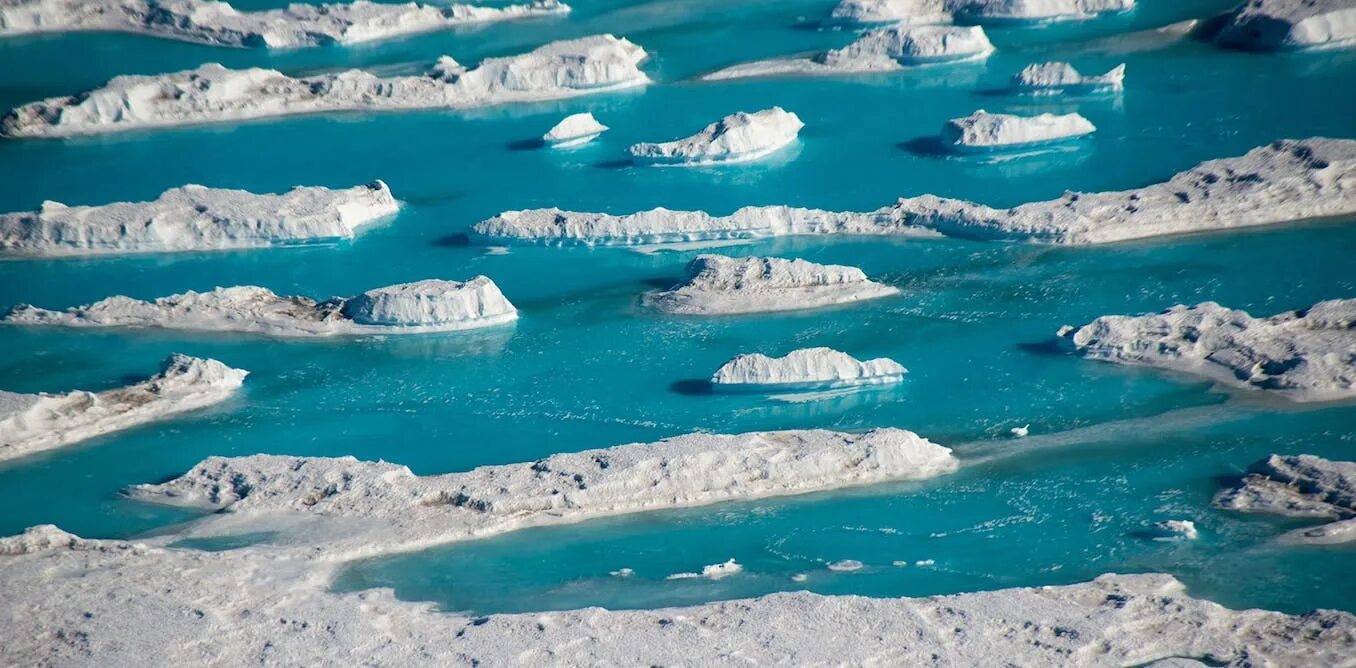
<point x="1299" y="486"/>
<point x="807" y="368"/>
<point x="983" y="131"/>
<point x="718" y="285"/>
<point x="915" y="12"/>
<point x="1054" y="78"/>
<point x="739" y="137"/>
<point x="881" y="50"/>
<point x="1282" y="25"/>
<point x="574" y="130"/>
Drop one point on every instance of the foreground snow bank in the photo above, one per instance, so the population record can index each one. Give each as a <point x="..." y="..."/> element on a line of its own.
<point x="1299" y="486"/>
<point x="719" y="285"/>
<point x="916" y="12"/>
<point x="1054" y="78"/>
<point x="882" y="50"/>
<point x="1306" y="355"/>
<point x="220" y="24"/>
<point x="808" y="368"/>
<point x="195" y="218"/>
<point x="739" y="137"/>
<point x="574" y="130"/>
<point x="213" y="93"/>
<point x="32" y="423"/>
<point x="424" y="306"/>
<point x="983" y="131"/>
<point x="1278" y="25"/>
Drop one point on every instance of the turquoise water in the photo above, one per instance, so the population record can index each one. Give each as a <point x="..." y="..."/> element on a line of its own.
<point x="587" y="367"/>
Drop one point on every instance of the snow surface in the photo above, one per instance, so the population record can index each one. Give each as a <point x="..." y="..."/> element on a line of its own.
<point x="719" y="285"/>
<point x="1299" y="486"/>
<point x="410" y="308"/>
<point x="808" y="368"/>
<point x="33" y="423"/>
<point x="1282" y="25"/>
<point x="915" y="12"/>
<point x="1306" y="355"/>
<point x="220" y="24"/>
<point x="883" y="50"/>
<point x="212" y="93"/>
<point x="984" y="131"/>
<point x="739" y="137"/>
<point x="196" y="218"/>
<point x="1054" y="78"/>
<point x="574" y="130"/>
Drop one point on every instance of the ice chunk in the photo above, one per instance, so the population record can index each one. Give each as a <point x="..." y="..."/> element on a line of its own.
<point x="983" y="131"/>
<point x="739" y="137"/>
<point x="809" y="368"/>
<point x="711" y="572"/>
<point x="1279" y="25"/>
<point x="906" y="12"/>
<point x="845" y="565"/>
<point x="881" y="50"/>
<point x="1005" y="11"/>
<point x="1054" y="78"/>
<point x="574" y="130"/>
<point x="1177" y="530"/>
<point x="724" y="285"/>
<point x="1299" y="486"/>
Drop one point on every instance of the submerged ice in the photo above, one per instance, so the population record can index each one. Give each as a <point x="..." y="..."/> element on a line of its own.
<point x="881" y="50"/>
<point x="739" y="137"/>
<point x="718" y="285"/>
<point x="808" y="368"/>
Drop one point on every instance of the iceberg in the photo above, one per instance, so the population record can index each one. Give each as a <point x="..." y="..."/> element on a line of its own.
<point x="983" y="131"/>
<point x="906" y="12"/>
<point x="574" y="130"/>
<point x="883" y="50"/>
<point x="1284" y="25"/>
<point x="719" y="285"/>
<point x="410" y="308"/>
<point x="214" y="94"/>
<point x="739" y="137"/>
<point x="915" y="12"/>
<point x="33" y="423"/>
<point x="196" y="218"/>
<point x="1055" y="78"/>
<point x="220" y="24"/>
<point x="1305" y="355"/>
<point x="808" y="368"/>
<point x="1299" y="486"/>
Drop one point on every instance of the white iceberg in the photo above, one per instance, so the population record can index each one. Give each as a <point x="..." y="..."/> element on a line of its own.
<point x="711" y="572"/>
<point x="1282" y="25"/>
<point x="883" y="50"/>
<point x="574" y="130"/>
<point x="410" y="308"/>
<point x="1299" y="486"/>
<point x="739" y="137"/>
<point x="983" y="131"/>
<point x="1172" y="530"/>
<point x="33" y="423"/>
<point x="212" y="93"/>
<point x="915" y="12"/>
<point x="1306" y="355"/>
<point x="196" y="218"/>
<point x="220" y="24"/>
<point x="808" y="368"/>
<point x="1054" y="78"/>
<point x="906" y="12"/>
<point x="719" y="285"/>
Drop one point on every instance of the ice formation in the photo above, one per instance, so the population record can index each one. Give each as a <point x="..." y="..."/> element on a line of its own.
<point x="1054" y="78"/>
<point x="424" y="306"/>
<point x="906" y="12"/>
<point x="1306" y="355"/>
<point x="808" y="368"/>
<point x="220" y="24"/>
<point x="195" y="218"/>
<point x="1177" y="530"/>
<point x="1299" y="486"/>
<point x="1279" y="25"/>
<point x="213" y="93"/>
<point x="719" y="285"/>
<point x="33" y="423"/>
<point x="881" y="50"/>
<point x="711" y="572"/>
<point x="1285" y="181"/>
<point x="739" y="137"/>
<point x="574" y="130"/>
<point x="915" y="12"/>
<point x="983" y="131"/>
<point x="845" y="565"/>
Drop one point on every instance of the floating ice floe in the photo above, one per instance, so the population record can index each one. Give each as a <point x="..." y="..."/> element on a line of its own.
<point x="883" y="50"/>
<point x="739" y="137"/>
<point x="916" y="12"/>
<point x="33" y="423"/>
<point x="574" y="130"/>
<point x="845" y="565"/>
<point x="212" y="93"/>
<point x="1282" y="25"/>
<point x="409" y="308"/>
<point x="1055" y="78"/>
<point x="712" y="572"/>
<point x="718" y="285"/>
<point x="195" y="218"/>
<point x="983" y="131"/>
<point x="805" y="369"/>
<point x="220" y="24"/>
<point x="1299" y="486"/>
<point x="1306" y="355"/>
<point x="906" y="12"/>
<point x="1176" y="530"/>
<point x="1285" y="181"/>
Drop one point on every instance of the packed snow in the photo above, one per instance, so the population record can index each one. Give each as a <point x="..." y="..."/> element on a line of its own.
<point x="33" y="423"/>
<point x="808" y="368"/>
<point x="983" y="131"/>
<point x="1302" y="486"/>
<point x="1305" y="355"/>
<point x="574" y="130"/>
<point x="1055" y="78"/>
<point x="919" y="12"/>
<point x="882" y="50"/>
<point x="1284" y="25"/>
<point x="424" y="306"/>
<point x="718" y="285"/>
<point x="739" y="137"/>
<point x="212" y="93"/>
<point x="220" y="24"/>
<point x="196" y="218"/>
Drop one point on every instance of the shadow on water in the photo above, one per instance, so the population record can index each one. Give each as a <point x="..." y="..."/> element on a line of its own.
<point x="459" y="240"/>
<point x="691" y="387"/>
<point x="621" y="163"/>
<point x="525" y="145"/>
<point x="1046" y="348"/>
<point x="926" y="146"/>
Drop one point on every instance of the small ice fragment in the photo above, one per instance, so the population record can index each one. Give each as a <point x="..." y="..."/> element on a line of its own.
<point x="622" y="573"/>
<point x="924" y="562"/>
<point x="1020" y="432"/>
<point x="845" y="565"/>
<point x="1177" y="530"/>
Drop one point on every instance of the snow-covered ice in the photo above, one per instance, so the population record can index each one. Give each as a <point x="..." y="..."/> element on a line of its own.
<point x="711" y="572"/>
<point x="1299" y="486"/>
<point x="220" y="24"/>
<point x="1055" y="78"/>
<point x="574" y="130"/>
<point x="212" y="93"/>
<point x="906" y="12"/>
<point x="739" y="137"/>
<point x="33" y="423"/>
<point x="424" y="306"/>
<point x="1282" y="25"/>
<point x="1305" y="355"/>
<point x="195" y="218"/>
<point x="718" y="285"/>
<point x="807" y="368"/>
<point x="881" y="50"/>
<point x="916" y="12"/>
<point x="845" y="565"/>
<point x="983" y="131"/>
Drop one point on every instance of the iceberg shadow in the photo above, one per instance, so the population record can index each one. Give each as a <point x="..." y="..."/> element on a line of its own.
<point x="691" y="387"/>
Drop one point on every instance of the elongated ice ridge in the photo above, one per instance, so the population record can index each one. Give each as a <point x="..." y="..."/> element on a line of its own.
<point x="919" y="12"/>
<point x="1299" y="486"/>
<point x="739" y="137"/>
<point x="574" y="130"/>
<point x="220" y="24"/>
<point x="196" y="218"/>
<point x="718" y="285"/>
<point x="1055" y="78"/>
<point x="983" y="131"/>
<point x="1306" y="355"/>
<point x="33" y="423"/>
<point x="808" y="368"/>
<point x="1282" y="182"/>
<point x="212" y="93"/>
<point x="410" y="308"/>
<point x="882" y="50"/>
<point x="1285" y="25"/>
